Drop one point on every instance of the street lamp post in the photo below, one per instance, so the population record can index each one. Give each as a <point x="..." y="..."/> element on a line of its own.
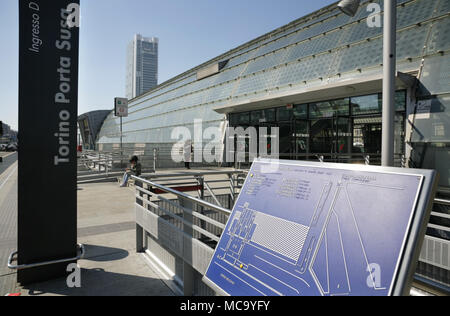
<point x="389" y="69"/>
<point x="350" y="8"/>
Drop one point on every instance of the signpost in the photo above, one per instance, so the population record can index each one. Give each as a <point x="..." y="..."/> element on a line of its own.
<point x="307" y="229"/>
<point x="121" y="110"/>
<point x="47" y="188"/>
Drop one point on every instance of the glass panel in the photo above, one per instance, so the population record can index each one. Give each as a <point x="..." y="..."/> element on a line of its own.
<point x="367" y="104"/>
<point x="256" y="117"/>
<point x="414" y="12"/>
<point x="410" y="42"/>
<point x="373" y="104"/>
<point x="432" y="122"/>
<point x="244" y="118"/>
<point x="440" y="36"/>
<point x="344" y="145"/>
<point x="234" y="119"/>
<point x="367" y="135"/>
<point x="431" y="156"/>
<point x="329" y="109"/>
<point x="284" y="114"/>
<point x="301" y="111"/>
<point x="435" y="77"/>
<point x="270" y="115"/>
<point x="400" y="101"/>
<point x="301" y="137"/>
<point x="360" y="56"/>
<point x="322" y="136"/>
<point x="285" y="140"/>
<point x="399" y="138"/>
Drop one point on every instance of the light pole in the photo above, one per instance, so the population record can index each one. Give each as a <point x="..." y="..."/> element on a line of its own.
<point x="350" y="7"/>
<point x="121" y="111"/>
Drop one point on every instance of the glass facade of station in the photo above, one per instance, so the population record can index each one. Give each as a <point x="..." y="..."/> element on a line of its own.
<point x="328" y="67"/>
<point x="343" y="130"/>
<point x="316" y="52"/>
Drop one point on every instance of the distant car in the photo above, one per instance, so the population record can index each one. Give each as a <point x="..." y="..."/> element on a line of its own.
<point x="3" y="147"/>
<point x="11" y="147"/>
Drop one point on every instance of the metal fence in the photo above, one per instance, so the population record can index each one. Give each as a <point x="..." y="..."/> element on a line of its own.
<point x="179" y="232"/>
<point x="434" y="262"/>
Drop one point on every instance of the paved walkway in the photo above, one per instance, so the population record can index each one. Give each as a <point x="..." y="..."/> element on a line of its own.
<point x="106" y="226"/>
<point x="8" y="221"/>
<point x="8" y="160"/>
<point x="107" y="229"/>
<point x="111" y="266"/>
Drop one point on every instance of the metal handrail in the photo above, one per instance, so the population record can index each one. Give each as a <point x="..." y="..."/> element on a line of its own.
<point x="182" y="220"/>
<point x="194" y="174"/>
<point x="184" y="196"/>
<point x="442" y="202"/>
<point x="184" y="209"/>
<point x="41" y="264"/>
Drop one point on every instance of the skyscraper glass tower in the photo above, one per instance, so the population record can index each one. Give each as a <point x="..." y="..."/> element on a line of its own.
<point x="142" y="65"/>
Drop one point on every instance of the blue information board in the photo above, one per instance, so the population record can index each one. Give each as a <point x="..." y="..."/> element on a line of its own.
<point x="316" y="229"/>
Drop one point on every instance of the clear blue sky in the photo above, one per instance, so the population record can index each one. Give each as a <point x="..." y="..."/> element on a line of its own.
<point x="190" y="32"/>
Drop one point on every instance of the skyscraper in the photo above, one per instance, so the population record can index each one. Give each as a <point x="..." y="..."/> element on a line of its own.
<point x="142" y="65"/>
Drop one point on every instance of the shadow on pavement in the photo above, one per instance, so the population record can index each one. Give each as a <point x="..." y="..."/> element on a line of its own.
<point x="98" y="282"/>
<point x="104" y="254"/>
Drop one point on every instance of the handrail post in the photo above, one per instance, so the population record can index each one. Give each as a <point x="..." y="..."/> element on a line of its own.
<point x="201" y="183"/>
<point x="155" y="153"/>
<point x="367" y="160"/>
<point x="139" y="228"/>
<point x="188" y="271"/>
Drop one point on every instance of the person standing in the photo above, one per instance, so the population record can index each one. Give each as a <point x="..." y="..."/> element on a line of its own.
<point x="187" y="154"/>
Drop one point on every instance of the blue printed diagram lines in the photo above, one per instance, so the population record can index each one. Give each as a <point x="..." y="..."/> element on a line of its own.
<point x="333" y="245"/>
<point x="315" y="231"/>
<point x="268" y="239"/>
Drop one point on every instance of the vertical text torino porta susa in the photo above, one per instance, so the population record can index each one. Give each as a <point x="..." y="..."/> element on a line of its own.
<point x="62" y="96"/>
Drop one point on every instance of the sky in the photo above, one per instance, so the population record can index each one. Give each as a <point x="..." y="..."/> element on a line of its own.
<point x="190" y="33"/>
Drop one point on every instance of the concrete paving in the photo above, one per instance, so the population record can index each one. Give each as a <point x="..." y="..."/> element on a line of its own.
<point x="111" y="267"/>
<point x="7" y="160"/>
<point x="106" y="227"/>
<point x="8" y="225"/>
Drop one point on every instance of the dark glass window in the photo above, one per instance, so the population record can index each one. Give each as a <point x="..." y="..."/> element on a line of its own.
<point x="244" y="118"/>
<point x="373" y="104"/>
<point x="369" y="104"/>
<point x="256" y="117"/>
<point x="400" y="101"/>
<point x="301" y="111"/>
<point x="284" y="114"/>
<point x="329" y="109"/>
<point x="234" y="119"/>
<point x="270" y="115"/>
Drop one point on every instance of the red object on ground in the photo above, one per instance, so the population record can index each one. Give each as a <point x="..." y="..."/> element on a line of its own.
<point x="14" y="294"/>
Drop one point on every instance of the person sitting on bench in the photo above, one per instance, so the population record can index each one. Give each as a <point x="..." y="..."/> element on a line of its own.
<point x="136" y="170"/>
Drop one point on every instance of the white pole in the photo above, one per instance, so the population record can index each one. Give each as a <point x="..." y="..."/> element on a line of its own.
<point x="389" y="71"/>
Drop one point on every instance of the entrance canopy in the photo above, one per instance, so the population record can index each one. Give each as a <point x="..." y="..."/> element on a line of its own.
<point x="340" y="89"/>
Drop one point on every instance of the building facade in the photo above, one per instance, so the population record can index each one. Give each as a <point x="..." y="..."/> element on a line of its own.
<point x="319" y="79"/>
<point x="8" y="135"/>
<point x="89" y="125"/>
<point x="142" y="65"/>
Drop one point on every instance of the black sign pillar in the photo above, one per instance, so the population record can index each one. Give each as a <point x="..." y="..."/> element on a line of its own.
<point x="48" y="89"/>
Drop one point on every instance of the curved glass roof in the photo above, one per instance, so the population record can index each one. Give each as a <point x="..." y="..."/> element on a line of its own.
<point x="322" y="47"/>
